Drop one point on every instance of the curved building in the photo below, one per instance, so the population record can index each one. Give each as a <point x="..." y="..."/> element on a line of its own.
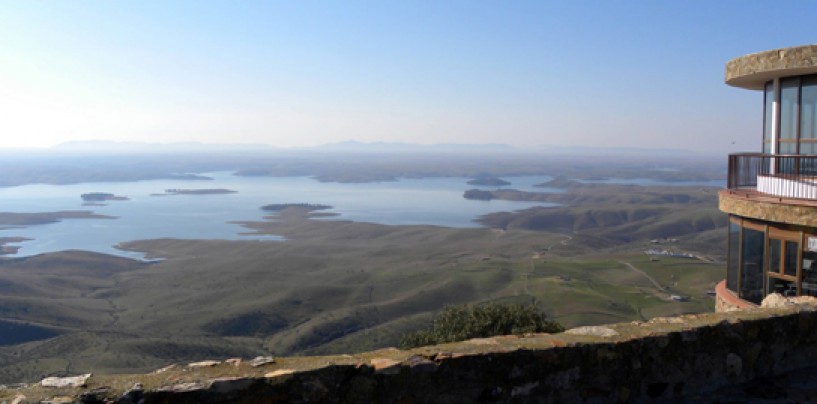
<point x="771" y="195"/>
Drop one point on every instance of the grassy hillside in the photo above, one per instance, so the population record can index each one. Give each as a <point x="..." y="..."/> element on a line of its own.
<point x="621" y="213"/>
<point x="339" y="286"/>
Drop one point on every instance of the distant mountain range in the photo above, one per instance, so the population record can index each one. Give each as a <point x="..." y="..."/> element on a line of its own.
<point x="355" y="147"/>
<point x="346" y="146"/>
<point x="144" y="147"/>
<point x="598" y="150"/>
<point x="352" y="145"/>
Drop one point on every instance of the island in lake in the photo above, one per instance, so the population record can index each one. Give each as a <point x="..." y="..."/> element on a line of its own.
<point x="195" y="177"/>
<point x="205" y="191"/>
<point x="102" y="196"/>
<point x="276" y="207"/>
<point x="478" y="194"/>
<point x="489" y="181"/>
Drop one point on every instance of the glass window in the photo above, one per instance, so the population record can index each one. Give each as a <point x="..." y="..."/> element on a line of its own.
<point x="809" y="279"/>
<point x="809" y="289"/>
<point x="808" y="165"/>
<point x="774" y="255"/>
<point x="751" y="274"/>
<point x="786" y="165"/>
<point x="790" y="261"/>
<point x="733" y="257"/>
<point x="808" y="109"/>
<point x="784" y="287"/>
<point x="797" y="119"/>
<point x="768" y="99"/>
<point x="789" y="93"/>
<point x="787" y="148"/>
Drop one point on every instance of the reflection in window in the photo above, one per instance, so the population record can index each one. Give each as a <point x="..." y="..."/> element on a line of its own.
<point x="768" y="104"/>
<point x="787" y="148"/>
<point x="790" y="262"/>
<point x="789" y="89"/>
<point x="808" y="165"/>
<point x="808" y="109"/>
<point x="809" y="284"/>
<point x="733" y="258"/>
<point x="784" y="287"/>
<point x="774" y="255"/>
<point x="796" y="119"/>
<point x="751" y="277"/>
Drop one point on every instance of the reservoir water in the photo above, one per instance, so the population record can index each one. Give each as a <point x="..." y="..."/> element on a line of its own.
<point x="434" y="201"/>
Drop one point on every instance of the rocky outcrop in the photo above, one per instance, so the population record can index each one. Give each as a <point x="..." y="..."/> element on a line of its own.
<point x="598" y="331"/>
<point x="203" y="364"/>
<point x="73" y="381"/>
<point x="776" y="301"/>
<point x="261" y="361"/>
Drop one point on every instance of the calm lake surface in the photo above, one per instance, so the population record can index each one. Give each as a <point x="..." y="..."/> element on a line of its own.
<point x="435" y="201"/>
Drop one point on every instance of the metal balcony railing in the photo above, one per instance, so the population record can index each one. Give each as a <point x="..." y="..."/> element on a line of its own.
<point x="792" y="176"/>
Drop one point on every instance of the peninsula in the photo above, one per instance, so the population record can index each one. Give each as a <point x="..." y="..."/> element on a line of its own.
<point x="8" y="249"/>
<point x="28" y="219"/>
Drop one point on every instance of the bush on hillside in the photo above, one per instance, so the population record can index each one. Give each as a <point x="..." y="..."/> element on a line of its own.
<point x="458" y="323"/>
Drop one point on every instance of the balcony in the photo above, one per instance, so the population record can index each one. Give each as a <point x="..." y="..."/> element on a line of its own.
<point x="775" y="175"/>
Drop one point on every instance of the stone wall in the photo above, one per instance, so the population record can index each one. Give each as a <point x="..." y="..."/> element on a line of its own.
<point x="678" y="358"/>
<point x="725" y="300"/>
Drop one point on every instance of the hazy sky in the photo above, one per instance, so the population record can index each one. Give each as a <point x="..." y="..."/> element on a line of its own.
<point x="302" y="73"/>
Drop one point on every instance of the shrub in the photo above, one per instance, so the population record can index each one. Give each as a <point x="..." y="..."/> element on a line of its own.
<point x="458" y="323"/>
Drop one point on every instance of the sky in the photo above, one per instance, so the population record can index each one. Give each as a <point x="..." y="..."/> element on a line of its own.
<point x="645" y="74"/>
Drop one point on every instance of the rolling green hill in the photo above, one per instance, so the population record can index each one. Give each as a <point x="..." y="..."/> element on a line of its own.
<point x="338" y="286"/>
<point x="623" y="213"/>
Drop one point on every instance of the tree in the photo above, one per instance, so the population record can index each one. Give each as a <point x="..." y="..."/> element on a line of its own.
<point x="458" y="323"/>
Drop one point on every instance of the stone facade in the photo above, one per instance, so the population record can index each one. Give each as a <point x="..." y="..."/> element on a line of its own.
<point x="782" y="212"/>
<point x="753" y="70"/>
